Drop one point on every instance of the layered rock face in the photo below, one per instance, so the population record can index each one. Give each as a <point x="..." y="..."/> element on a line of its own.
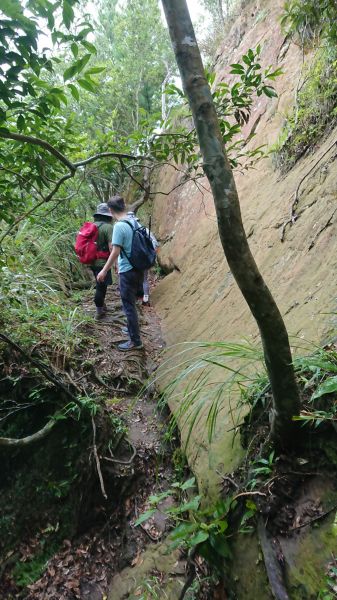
<point x="199" y="299"/>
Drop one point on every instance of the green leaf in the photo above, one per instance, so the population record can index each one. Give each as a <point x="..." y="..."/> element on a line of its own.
<point x="67" y="13"/>
<point x="274" y="74"/>
<point x="200" y="537"/>
<point x="145" y="516"/>
<point x="20" y="123"/>
<point x="191" y="505"/>
<point x="90" y="47"/>
<point x="70" y="72"/>
<point x="74" y="91"/>
<point x="269" y="91"/>
<point x="94" y="70"/>
<point x="183" y="531"/>
<point x="327" y="387"/>
<point x="77" y="67"/>
<point x="74" y="49"/>
<point x="88" y="85"/>
<point x="188" y="484"/>
<point x="238" y="67"/>
<point x="159" y="497"/>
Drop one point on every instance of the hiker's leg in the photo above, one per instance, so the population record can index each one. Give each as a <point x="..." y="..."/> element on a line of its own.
<point x="146" y="285"/>
<point x="101" y="289"/>
<point x="129" y="284"/>
<point x="139" y="293"/>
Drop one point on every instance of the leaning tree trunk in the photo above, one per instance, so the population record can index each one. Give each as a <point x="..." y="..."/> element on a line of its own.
<point x="233" y="238"/>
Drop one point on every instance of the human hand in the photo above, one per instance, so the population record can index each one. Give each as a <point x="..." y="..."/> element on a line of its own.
<point x="101" y="275"/>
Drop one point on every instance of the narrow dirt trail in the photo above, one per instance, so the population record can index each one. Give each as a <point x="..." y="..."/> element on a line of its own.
<point x="138" y="464"/>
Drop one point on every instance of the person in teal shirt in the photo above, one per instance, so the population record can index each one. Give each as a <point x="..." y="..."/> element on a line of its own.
<point x="130" y="279"/>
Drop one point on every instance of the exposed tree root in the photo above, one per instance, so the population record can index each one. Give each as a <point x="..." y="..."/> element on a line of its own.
<point x="293" y="216"/>
<point x="44" y="369"/>
<point x="327" y="224"/>
<point x="29" y="439"/>
<point x="98" y="465"/>
<point x="272" y="561"/>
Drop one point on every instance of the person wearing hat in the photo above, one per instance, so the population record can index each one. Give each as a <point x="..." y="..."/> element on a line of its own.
<point x="103" y="220"/>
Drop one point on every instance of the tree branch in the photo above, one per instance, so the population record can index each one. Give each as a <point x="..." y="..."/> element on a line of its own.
<point x="117" y="155"/>
<point x="18" y="137"/>
<point x="45" y="199"/>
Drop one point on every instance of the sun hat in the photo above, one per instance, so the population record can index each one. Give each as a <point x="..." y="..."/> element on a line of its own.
<point x="103" y="209"/>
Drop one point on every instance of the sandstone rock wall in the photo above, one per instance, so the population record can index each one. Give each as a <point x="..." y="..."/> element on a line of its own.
<point x="199" y="299"/>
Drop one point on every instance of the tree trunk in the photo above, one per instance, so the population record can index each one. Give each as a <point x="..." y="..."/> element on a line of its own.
<point x="274" y="335"/>
<point x="222" y="18"/>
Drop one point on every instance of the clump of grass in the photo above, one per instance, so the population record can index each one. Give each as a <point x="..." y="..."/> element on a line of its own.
<point x="204" y="377"/>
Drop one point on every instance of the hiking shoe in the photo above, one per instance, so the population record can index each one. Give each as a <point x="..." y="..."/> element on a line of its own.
<point x="126" y="346"/>
<point x="146" y="303"/>
<point x="125" y="330"/>
<point x="100" y="315"/>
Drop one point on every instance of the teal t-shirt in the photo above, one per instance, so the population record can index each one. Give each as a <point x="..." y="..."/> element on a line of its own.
<point x="122" y="236"/>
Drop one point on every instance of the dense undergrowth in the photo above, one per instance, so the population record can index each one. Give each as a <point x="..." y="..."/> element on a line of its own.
<point x="49" y="487"/>
<point x="314" y="114"/>
<point x="312" y="25"/>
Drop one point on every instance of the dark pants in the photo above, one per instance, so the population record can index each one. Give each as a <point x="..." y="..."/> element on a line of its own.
<point x="130" y="283"/>
<point x="101" y="287"/>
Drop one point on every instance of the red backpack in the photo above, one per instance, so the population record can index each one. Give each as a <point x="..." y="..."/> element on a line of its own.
<point x="86" y="244"/>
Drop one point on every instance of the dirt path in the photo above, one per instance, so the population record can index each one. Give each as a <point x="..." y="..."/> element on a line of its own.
<point x="138" y="463"/>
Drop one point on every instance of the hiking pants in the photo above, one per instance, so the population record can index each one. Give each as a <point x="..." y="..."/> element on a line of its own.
<point x="146" y="285"/>
<point x="101" y="287"/>
<point x="129" y="284"/>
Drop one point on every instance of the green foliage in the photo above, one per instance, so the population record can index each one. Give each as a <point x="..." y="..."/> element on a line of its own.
<point x="28" y="571"/>
<point x="150" y="589"/>
<point x="233" y="104"/>
<point x="28" y="93"/>
<point x="317" y="374"/>
<point x="315" y="112"/>
<point x="261" y="469"/>
<point x="311" y="19"/>
<point x="206" y="530"/>
<point x="314" y="22"/>
<point x="204" y="375"/>
<point x="330" y="588"/>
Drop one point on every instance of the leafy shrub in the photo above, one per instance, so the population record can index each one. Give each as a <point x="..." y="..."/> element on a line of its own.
<point x="314" y="114"/>
<point x="311" y="19"/>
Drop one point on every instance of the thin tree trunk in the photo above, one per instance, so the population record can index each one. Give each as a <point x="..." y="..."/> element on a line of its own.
<point x="233" y="238"/>
<point x="222" y="18"/>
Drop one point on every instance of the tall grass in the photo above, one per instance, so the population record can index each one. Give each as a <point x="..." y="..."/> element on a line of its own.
<point x="201" y="379"/>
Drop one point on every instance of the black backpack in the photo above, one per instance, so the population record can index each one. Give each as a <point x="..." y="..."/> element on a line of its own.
<point x="143" y="254"/>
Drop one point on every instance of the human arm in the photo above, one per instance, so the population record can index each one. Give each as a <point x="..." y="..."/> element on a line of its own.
<point x="115" y="252"/>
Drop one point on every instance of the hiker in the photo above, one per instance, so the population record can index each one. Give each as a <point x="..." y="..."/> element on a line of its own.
<point x="130" y="278"/>
<point x="146" y="284"/>
<point x="93" y="247"/>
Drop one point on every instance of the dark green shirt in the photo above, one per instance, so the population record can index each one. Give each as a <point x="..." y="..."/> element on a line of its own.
<point x="103" y="240"/>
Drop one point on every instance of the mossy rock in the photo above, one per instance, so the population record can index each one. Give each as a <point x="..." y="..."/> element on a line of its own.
<point x="157" y="569"/>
